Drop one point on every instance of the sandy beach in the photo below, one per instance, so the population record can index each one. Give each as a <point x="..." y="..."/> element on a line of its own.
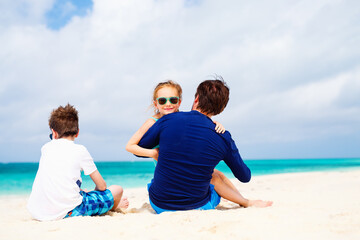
<point x="317" y="205"/>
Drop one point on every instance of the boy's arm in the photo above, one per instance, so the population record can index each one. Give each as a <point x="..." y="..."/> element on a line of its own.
<point x="98" y="180"/>
<point x="133" y="147"/>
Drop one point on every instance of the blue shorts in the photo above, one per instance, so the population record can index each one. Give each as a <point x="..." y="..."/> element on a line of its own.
<point x="211" y="204"/>
<point x="93" y="203"/>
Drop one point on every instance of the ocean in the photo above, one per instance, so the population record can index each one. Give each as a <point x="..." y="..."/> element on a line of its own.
<point x="17" y="178"/>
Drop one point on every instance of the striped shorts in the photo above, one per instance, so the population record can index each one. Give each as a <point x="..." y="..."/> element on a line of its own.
<point x="93" y="203"/>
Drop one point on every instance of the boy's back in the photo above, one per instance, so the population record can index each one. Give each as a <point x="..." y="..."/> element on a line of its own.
<point x="57" y="184"/>
<point x="56" y="192"/>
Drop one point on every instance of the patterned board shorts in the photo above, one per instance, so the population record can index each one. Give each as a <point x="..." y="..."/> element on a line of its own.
<point x="93" y="203"/>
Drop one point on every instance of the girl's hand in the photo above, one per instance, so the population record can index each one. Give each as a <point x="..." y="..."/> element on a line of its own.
<point x="155" y="153"/>
<point x="219" y="128"/>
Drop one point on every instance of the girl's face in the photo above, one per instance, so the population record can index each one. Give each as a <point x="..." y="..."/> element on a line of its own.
<point x="168" y="107"/>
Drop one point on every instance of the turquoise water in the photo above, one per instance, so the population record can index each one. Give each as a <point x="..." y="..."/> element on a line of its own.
<point x="17" y="178"/>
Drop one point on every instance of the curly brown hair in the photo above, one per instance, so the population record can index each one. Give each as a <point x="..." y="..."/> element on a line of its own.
<point x="213" y="96"/>
<point x="64" y="121"/>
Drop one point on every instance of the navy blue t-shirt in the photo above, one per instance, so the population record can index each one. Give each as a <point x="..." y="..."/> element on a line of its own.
<point x="189" y="150"/>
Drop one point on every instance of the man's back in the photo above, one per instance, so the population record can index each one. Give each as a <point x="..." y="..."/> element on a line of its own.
<point x="189" y="151"/>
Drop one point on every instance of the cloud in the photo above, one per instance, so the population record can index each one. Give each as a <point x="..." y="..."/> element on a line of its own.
<point x="23" y="12"/>
<point x="292" y="68"/>
<point x="309" y="111"/>
<point x="63" y="11"/>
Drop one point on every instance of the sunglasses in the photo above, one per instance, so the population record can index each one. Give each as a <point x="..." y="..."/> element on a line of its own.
<point x="163" y="100"/>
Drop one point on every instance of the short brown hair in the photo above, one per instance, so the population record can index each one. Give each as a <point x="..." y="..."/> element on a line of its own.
<point x="65" y="121"/>
<point x="213" y="96"/>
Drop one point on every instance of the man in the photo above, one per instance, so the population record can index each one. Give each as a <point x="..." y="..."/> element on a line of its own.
<point x="189" y="150"/>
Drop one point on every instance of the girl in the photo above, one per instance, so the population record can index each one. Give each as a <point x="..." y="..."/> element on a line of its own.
<point x="167" y="99"/>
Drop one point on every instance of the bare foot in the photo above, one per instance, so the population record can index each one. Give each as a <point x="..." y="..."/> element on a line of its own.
<point x="124" y="203"/>
<point x="260" y="203"/>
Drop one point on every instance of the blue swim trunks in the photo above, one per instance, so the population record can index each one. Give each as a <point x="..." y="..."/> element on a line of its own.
<point x="211" y="204"/>
<point x="93" y="203"/>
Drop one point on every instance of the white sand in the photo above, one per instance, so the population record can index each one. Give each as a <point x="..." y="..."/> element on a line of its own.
<point x="319" y="205"/>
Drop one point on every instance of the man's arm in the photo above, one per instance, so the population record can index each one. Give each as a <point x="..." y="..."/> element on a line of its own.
<point x="133" y="147"/>
<point x="236" y="164"/>
<point x="152" y="137"/>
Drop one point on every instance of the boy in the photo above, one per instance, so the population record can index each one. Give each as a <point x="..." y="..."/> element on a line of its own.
<point x="56" y="192"/>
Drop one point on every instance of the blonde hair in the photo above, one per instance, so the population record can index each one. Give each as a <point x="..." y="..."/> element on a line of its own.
<point x="161" y="85"/>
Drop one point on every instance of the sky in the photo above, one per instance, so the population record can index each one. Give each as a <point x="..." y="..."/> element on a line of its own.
<point x="293" y="68"/>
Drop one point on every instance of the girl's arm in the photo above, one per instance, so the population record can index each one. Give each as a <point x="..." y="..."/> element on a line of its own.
<point x="219" y="128"/>
<point x="98" y="180"/>
<point x="133" y="147"/>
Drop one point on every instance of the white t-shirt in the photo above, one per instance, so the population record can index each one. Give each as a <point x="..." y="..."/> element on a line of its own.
<point x="55" y="191"/>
